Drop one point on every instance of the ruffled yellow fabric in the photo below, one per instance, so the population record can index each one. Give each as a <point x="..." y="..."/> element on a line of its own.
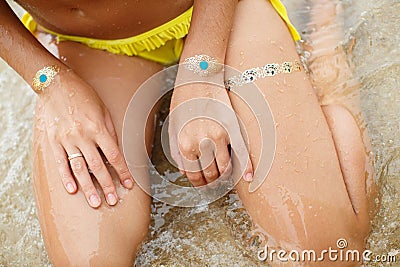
<point x="280" y="8"/>
<point x="163" y="44"/>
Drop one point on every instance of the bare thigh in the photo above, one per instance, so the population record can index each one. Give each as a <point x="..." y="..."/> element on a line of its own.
<point x="304" y="201"/>
<point x="74" y="233"/>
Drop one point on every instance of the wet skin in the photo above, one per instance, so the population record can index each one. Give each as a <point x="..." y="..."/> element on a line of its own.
<point x="318" y="174"/>
<point x="103" y="20"/>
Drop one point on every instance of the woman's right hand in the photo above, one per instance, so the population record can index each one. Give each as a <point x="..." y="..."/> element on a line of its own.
<point x="77" y="121"/>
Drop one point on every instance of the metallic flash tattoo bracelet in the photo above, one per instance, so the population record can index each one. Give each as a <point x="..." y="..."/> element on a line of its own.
<point x="202" y="65"/>
<point x="269" y="70"/>
<point x="44" y="77"/>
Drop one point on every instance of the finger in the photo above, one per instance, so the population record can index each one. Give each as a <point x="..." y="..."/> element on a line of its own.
<point x="179" y="161"/>
<point x="99" y="170"/>
<point x="190" y="162"/>
<point x="81" y="173"/>
<point x="196" y="178"/>
<point x="209" y="166"/>
<point x="223" y="159"/>
<point x="180" y="164"/>
<point x="248" y="173"/>
<point x="227" y="175"/>
<point x="211" y="172"/>
<point x="176" y="156"/>
<point x="114" y="156"/>
<point x="175" y="152"/>
<point x="63" y="167"/>
<point x="207" y="160"/>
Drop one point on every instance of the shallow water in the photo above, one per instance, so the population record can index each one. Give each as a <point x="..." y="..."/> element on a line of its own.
<point x="220" y="234"/>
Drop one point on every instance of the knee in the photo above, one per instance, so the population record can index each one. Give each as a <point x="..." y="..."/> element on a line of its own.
<point x="346" y="134"/>
<point x="116" y="249"/>
<point x="111" y="244"/>
<point x="355" y="162"/>
<point x="323" y="245"/>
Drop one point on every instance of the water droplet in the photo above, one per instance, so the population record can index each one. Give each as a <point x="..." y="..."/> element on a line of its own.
<point x="289" y="115"/>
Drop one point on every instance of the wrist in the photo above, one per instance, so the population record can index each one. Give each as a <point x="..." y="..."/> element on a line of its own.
<point x="203" y="65"/>
<point x="44" y="77"/>
<point x="190" y="91"/>
<point x="200" y="69"/>
<point x="59" y="85"/>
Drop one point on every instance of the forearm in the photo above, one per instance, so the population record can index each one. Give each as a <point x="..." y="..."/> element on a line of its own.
<point x="19" y="48"/>
<point x="208" y="35"/>
<point x="194" y="133"/>
<point x="210" y="28"/>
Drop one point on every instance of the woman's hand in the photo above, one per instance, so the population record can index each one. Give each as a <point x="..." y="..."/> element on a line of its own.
<point x="200" y="147"/>
<point x="77" y="121"/>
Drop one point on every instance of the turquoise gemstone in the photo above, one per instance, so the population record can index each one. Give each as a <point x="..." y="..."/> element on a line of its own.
<point x="43" y="78"/>
<point x="203" y="65"/>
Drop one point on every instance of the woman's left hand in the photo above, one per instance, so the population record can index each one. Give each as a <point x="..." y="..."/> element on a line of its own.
<point x="200" y="147"/>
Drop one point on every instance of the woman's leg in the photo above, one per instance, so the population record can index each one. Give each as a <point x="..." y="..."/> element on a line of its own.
<point x="74" y="233"/>
<point x="304" y="202"/>
<point x="339" y="92"/>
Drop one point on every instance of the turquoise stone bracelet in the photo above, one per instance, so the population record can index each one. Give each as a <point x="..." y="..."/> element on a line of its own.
<point x="202" y="65"/>
<point x="44" y="77"/>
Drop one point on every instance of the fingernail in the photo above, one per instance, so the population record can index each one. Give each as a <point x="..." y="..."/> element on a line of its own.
<point x="128" y="183"/>
<point x="94" y="200"/>
<point x="70" y="187"/>
<point x="112" y="200"/>
<point x="248" y="177"/>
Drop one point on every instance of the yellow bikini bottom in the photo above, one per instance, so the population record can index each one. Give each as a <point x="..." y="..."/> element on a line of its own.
<point x="163" y="44"/>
